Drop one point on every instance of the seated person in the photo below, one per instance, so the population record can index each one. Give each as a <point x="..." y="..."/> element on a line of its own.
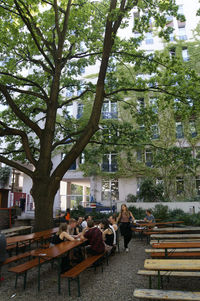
<point x="95" y="239"/>
<point x="108" y="234"/>
<point x="62" y="234"/>
<point x="86" y="219"/>
<point x="3" y="253"/>
<point x="149" y="218"/>
<point x="79" y="222"/>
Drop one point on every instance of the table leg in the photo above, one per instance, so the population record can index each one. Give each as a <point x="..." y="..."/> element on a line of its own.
<point x="39" y="274"/>
<point x="166" y="254"/>
<point x="59" y="272"/>
<point x="158" y="279"/>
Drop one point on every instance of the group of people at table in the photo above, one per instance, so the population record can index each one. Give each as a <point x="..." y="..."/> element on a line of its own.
<point x="101" y="236"/>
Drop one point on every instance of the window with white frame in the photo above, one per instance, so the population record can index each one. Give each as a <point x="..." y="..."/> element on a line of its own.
<point x="139" y="181"/>
<point x="153" y="102"/>
<point x="110" y="189"/>
<point x="140" y="104"/>
<point x="185" y="54"/>
<point x="139" y="155"/>
<point x="198" y="184"/>
<point x="182" y="33"/>
<point x="109" y="110"/>
<point x="109" y="163"/>
<point x="179" y="185"/>
<point x="148" y="157"/>
<point x="155" y="131"/>
<point x="192" y="128"/>
<point x="149" y="38"/>
<point x="179" y="130"/>
<point x="79" y="111"/>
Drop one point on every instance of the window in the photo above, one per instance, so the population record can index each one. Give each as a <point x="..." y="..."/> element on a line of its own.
<point x="139" y="155"/>
<point x="154" y="104"/>
<point x="171" y="37"/>
<point x="140" y="105"/>
<point x="82" y="158"/>
<point x="179" y="185"/>
<point x="149" y="158"/>
<point x="172" y="52"/>
<point x="69" y="111"/>
<point x="139" y="181"/>
<point x="182" y="33"/>
<point x="185" y="54"/>
<point x="79" y="111"/>
<point x="149" y="38"/>
<point x="179" y="130"/>
<point x="109" y="162"/>
<point x="177" y="104"/>
<point x="110" y="190"/>
<point x="109" y="110"/>
<point x="192" y="129"/>
<point x="180" y="10"/>
<point x="155" y="131"/>
<point x="198" y="184"/>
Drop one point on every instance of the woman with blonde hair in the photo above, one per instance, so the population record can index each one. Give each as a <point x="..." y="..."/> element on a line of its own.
<point x="124" y="218"/>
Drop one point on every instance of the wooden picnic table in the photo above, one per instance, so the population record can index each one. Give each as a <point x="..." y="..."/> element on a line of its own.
<point x="175" y="245"/>
<point x="182" y="229"/>
<point x="55" y="252"/>
<point x="170" y="237"/>
<point x="172" y="265"/>
<point x="21" y="239"/>
<point x="157" y="224"/>
<point x="16" y="230"/>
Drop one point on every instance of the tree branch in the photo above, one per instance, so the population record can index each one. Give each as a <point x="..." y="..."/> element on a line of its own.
<point x="16" y="165"/>
<point x="19" y="113"/>
<point x="15" y="132"/>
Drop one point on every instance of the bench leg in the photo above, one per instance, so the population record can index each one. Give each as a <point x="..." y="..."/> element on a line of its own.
<point x="16" y="280"/>
<point x="25" y="277"/>
<point x="150" y="282"/>
<point x="78" y="284"/>
<point x="69" y="286"/>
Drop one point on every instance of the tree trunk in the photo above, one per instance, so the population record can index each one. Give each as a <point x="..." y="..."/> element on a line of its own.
<point x="44" y="200"/>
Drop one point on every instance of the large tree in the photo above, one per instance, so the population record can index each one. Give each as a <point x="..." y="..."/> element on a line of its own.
<point x="45" y="46"/>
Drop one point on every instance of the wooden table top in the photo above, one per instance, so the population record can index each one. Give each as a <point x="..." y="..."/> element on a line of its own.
<point x="16" y="229"/>
<point x="146" y="224"/>
<point x="188" y="235"/>
<point x="174" y="245"/>
<point x="58" y="249"/>
<point x="172" y="264"/>
<point x="32" y="236"/>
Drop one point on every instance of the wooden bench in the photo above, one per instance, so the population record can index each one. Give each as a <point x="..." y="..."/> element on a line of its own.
<point x="151" y="273"/>
<point x="173" y="254"/>
<point x="24" y="268"/>
<point x="166" y="295"/>
<point x="172" y="250"/>
<point x="73" y="274"/>
<point x="17" y="257"/>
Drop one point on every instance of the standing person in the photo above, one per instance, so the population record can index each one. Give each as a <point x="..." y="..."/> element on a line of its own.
<point x="3" y="254"/>
<point x="124" y="218"/>
<point x="67" y="215"/>
<point x="149" y="218"/>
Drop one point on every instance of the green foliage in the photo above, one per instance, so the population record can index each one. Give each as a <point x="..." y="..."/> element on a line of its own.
<point x="131" y="198"/>
<point x="4" y="174"/>
<point x="161" y="212"/>
<point x="150" y="192"/>
<point x="138" y="213"/>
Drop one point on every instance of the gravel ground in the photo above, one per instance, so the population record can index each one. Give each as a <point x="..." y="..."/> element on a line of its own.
<point x="116" y="283"/>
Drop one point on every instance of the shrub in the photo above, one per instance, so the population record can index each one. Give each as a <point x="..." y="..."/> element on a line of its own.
<point x="131" y="198"/>
<point x="161" y="212"/>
